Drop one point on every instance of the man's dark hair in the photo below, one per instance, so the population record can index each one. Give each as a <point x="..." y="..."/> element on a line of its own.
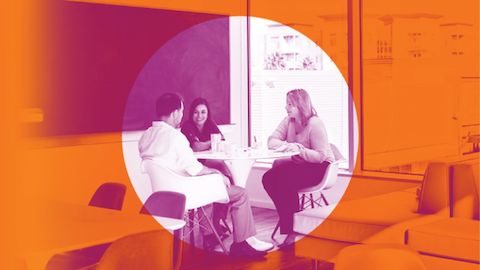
<point x="168" y="103"/>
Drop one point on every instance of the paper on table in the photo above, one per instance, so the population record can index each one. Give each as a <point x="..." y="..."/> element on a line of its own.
<point x="281" y="148"/>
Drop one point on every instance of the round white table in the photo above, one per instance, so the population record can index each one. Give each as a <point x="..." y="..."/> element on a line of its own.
<point x="241" y="162"/>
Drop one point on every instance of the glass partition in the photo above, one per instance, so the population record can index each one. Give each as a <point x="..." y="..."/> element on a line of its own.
<point x="420" y="84"/>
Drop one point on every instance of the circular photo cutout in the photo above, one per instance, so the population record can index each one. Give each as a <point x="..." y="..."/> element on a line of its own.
<point x="239" y="140"/>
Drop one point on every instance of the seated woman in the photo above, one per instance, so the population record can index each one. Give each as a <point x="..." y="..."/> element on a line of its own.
<point x="304" y="132"/>
<point x="198" y="128"/>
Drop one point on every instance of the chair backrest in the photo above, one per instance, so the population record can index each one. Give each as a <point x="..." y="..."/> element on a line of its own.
<point x="378" y="257"/>
<point x="464" y="192"/>
<point x="198" y="190"/>
<point x="336" y="153"/>
<point x="331" y="173"/>
<point x="109" y="195"/>
<point x="435" y="191"/>
<point x="146" y="250"/>
<point x="165" y="204"/>
<point x="329" y="179"/>
<point x="161" y="178"/>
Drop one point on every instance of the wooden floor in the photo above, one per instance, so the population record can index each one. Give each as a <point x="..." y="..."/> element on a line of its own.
<point x="265" y="221"/>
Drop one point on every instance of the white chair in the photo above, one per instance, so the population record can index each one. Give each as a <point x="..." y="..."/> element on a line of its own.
<point x="329" y="179"/>
<point x="199" y="191"/>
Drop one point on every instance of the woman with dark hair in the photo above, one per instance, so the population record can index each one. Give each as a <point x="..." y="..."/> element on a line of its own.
<point x="304" y="132"/>
<point x="200" y="125"/>
<point x="198" y="128"/>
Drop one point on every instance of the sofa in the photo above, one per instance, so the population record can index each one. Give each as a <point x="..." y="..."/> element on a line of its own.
<point x="440" y="220"/>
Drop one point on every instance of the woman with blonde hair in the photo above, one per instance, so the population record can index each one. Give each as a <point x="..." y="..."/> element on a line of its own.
<point x="304" y="132"/>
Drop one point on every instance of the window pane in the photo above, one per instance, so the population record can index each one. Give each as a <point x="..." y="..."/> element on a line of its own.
<point x="283" y="59"/>
<point x="420" y="83"/>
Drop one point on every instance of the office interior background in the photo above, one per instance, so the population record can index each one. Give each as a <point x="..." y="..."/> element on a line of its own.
<point x="374" y="94"/>
<point x="397" y="85"/>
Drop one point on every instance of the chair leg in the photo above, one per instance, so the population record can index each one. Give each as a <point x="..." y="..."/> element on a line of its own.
<point x="324" y="198"/>
<point x="214" y="231"/>
<point x="317" y="202"/>
<point x="302" y="203"/>
<point x="312" y="201"/>
<point x="177" y="248"/>
<point x="191" y="217"/>
<point x="275" y="230"/>
<point x="224" y="221"/>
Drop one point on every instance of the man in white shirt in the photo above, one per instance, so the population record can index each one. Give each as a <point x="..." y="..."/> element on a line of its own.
<point x="164" y="144"/>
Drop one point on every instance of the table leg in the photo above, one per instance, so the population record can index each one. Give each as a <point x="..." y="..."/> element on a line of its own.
<point x="240" y="169"/>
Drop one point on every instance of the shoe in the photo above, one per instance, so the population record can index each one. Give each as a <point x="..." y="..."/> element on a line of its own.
<point x="244" y="250"/>
<point x="289" y="242"/>
<point x="286" y="246"/>
<point x="259" y="244"/>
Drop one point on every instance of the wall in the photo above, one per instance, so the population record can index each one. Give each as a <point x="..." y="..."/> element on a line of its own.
<point x="107" y="64"/>
<point x="72" y="173"/>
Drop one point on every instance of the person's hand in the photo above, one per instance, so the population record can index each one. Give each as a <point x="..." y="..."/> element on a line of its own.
<point x="303" y="152"/>
<point x="297" y="159"/>
<point x="207" y="145"/>
<point x="226" y="180"/>
<point x="301" y="157"/>
<point x="292" y="147"/>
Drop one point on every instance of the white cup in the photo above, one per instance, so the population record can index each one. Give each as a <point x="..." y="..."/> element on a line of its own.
<point x="235" y="150"/>
<point x="228" y="148"/>
<point x="215" y="141"/>
<point x="221" y="146"/>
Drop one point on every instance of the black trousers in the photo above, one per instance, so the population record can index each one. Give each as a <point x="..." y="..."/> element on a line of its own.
<point x="282" y="183"/>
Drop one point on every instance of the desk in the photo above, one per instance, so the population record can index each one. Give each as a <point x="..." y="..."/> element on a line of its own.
<point x="241" y="163"/>
<point x="59" y="227"/>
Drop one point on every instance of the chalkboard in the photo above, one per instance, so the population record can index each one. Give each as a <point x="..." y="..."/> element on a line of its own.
<point x="107" y="64"/>
<point x="195" y="64"/>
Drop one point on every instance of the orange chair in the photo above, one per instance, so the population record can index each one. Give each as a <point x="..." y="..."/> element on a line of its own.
<point x="378" y="257"/>
<point x="109" y="195"/>
<point x="147" y="250"/>
<point x="168" y="204"/>
<point x="454" y="242"/>
<point x="165" y="204"/>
